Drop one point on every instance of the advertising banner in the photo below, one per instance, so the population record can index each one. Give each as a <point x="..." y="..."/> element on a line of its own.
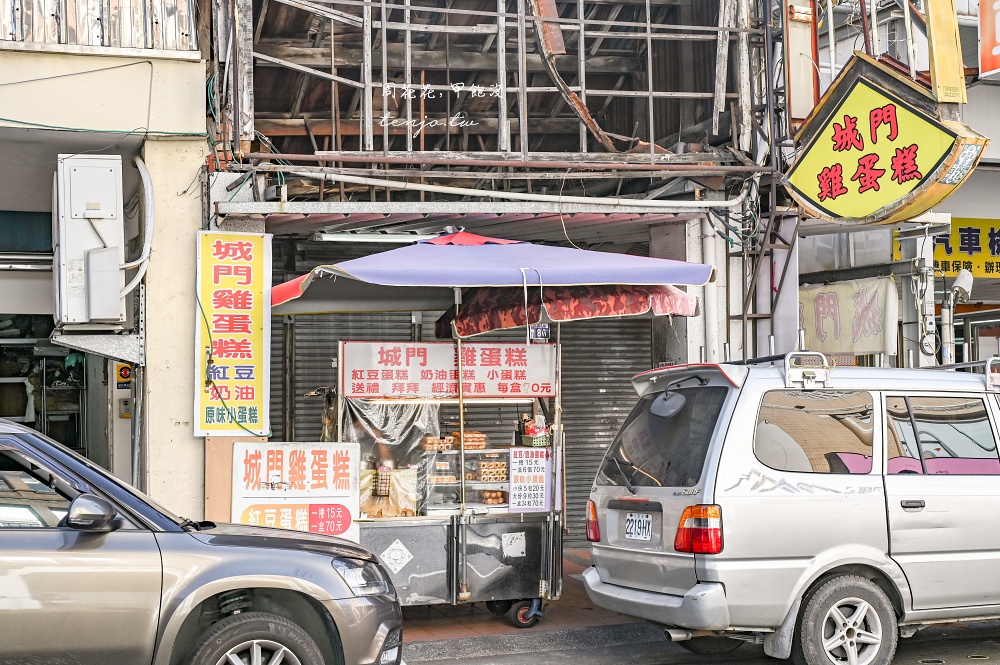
<point x="856" y="317"/>
<point x="430" y="370"/>
<point x="233" y="334"/>
<point x="310" y="487"/>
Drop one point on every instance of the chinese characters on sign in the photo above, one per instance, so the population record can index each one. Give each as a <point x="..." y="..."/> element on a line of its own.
<point x="425" y="370"/>
<point x="233" y="332"/>
<point x="530" y="479"/>
<point x="301" y="486"/>
<point x="854" y="317"/>
<point x="973" y="245"/>
<point x="874" y="151"/>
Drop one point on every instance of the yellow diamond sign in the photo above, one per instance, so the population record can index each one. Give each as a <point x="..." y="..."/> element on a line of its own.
<point x="876" y="158"/>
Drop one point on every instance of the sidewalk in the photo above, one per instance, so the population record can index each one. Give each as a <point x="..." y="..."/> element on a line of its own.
<point x="439" y="632"/>
<point x="573" y="610"/>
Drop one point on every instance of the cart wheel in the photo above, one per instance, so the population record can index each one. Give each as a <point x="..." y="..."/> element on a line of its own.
<point x="519" y="614"/>
<point x="498" y="608"/>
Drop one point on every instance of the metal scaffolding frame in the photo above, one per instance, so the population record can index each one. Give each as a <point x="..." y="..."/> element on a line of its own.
<point x="533" y="80"/>
<point x="417" y="104"/>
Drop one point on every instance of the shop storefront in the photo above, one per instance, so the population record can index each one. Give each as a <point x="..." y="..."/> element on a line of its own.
<point x="463" y="484"/>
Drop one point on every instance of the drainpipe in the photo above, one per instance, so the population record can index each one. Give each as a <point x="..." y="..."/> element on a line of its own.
<point x="711" y="293"/>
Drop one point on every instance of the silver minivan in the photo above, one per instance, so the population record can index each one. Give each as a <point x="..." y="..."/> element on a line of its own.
<point x="824" y="512"/>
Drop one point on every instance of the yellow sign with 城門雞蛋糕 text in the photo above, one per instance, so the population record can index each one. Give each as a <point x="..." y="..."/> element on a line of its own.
<point x="874" y="151"/>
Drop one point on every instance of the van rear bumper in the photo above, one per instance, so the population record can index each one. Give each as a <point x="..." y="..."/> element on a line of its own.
<point x="703" y="607"/>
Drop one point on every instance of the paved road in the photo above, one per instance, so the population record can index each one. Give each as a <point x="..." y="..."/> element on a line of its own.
<point x="639" y="644"/>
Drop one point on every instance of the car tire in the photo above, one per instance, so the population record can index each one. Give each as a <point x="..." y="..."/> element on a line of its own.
<point x="241" y="634"/>
<point x="710" y="646"/>
<point x="846" y="613"/>
<point x="519" y="614"/>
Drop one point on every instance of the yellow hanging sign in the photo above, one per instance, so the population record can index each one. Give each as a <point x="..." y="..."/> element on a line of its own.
<point x="872" y="157"/>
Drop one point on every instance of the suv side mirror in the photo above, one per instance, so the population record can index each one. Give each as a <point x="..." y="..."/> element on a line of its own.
<point x="89" y="512"/>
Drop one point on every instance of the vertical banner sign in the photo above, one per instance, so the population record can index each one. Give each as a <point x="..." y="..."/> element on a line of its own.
<point x="989" y="39"/>
<point x="300" y="486"/>
<point x="530" y="480"/>
<point x="233" y="334"/>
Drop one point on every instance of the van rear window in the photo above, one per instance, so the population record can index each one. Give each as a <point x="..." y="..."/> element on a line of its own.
<point x="664" y="441"/>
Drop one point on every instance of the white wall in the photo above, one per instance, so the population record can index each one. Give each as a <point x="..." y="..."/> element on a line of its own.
<point x="61" y="90"/>
<point x="982" y="114"/>
<point x="977" y="198"/>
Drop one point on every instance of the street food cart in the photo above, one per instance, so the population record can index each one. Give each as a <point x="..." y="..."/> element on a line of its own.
<point x="455" y="513"/>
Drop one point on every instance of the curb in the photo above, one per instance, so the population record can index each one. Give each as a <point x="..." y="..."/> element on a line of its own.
<point x="531" y="642"/>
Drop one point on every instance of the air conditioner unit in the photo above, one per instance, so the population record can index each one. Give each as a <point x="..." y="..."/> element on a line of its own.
<point x="89" y="234"/>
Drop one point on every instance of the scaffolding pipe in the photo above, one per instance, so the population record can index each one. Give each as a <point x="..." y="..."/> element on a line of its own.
<point x="596" y="201"/>
<point x="504" y="163"/>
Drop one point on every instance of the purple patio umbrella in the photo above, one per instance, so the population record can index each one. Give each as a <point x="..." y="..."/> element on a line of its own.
<point x="423" y="276"/>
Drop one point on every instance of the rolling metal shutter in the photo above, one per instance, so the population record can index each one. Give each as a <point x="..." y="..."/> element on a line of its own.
<point x="599" y="359"/>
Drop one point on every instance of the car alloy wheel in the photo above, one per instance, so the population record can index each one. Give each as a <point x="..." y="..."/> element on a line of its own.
<point x="852" y="632"/>
<point x="259" y="652"/>
<point x="255" y="638"/>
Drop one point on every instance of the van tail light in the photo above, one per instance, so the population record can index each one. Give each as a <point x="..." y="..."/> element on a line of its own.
<point x="593" y="531"/>
<point x="700" y="530"/>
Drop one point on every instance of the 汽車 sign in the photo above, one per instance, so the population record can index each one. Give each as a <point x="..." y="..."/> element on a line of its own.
<point x="430" y="370"/>
<point x="310" y="487"/>
<point x="233" y="334"/>
<point x="875" y="152"/>
<point x="972" y="244"/>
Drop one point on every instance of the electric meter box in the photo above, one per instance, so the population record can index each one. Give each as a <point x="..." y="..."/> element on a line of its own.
<point x="89" y="236"/>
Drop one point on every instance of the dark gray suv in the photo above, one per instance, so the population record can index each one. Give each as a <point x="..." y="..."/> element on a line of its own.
<point x="92" y="571"/>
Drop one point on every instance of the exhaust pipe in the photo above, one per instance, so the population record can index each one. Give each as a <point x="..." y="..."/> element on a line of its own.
<point x="683" y="634"/>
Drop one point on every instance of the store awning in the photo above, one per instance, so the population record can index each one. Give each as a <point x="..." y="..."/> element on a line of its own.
<point x="422" y="276"/>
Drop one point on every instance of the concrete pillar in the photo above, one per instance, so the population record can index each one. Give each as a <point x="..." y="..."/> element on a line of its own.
<point x="681" y="339"/>
<point x="174" y="460"/>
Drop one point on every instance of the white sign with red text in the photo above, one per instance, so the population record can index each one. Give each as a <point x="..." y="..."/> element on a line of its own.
<point x="310" y="487"/>
<point x="430" y="370"/>
<point x="530" y="480"/>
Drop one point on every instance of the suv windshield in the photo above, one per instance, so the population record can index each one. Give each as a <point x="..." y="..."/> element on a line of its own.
<point x="664" y="441"/>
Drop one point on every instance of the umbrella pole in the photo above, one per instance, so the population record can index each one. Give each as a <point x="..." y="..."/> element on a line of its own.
<point x="461" y="401"/>
<point x="558" y="440"/>
<point x="463" y="582"/>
